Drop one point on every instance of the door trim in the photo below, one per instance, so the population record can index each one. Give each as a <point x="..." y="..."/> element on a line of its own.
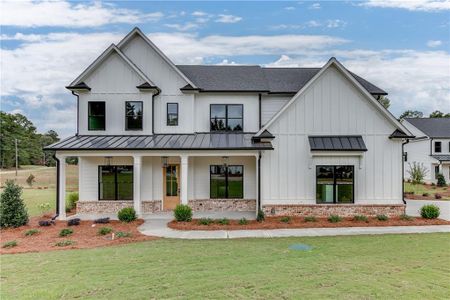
<point x="166" y="198"/>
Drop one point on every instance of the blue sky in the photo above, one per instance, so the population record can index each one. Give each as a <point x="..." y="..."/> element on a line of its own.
<point x="403" y="47"/>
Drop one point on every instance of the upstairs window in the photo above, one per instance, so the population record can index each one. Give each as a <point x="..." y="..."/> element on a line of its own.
<point x="96" y="115"/>
<point x="172" y="114"/>
<point x="226" y="117"/>
<point x="437" y="147"/>
<point x="133" y="115"/>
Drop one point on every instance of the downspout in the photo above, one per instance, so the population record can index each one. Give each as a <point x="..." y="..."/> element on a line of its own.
<point x="58" y="163"/>
<point x="78" y="111"/>
<point x="403" y="170"/>
<point x="153" y="110"/>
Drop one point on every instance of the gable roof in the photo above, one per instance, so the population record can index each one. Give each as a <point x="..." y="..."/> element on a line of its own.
<point x="432" y="127"/>
<point x="334" y="62"/>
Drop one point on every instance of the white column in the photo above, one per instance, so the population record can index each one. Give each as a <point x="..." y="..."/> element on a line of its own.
<point x="62" y="187"/>
<point x="137" y="171"/>
<point x="258" y="200"/>
<point x="184" y="179"/>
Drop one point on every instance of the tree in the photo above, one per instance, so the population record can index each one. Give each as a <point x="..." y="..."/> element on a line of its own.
<point x="12" y="209"/>
<point x="439" y="114"/>
<point x="417" y="172"/>
<point x="411" y="114"/>
<point x="385" y="101"/>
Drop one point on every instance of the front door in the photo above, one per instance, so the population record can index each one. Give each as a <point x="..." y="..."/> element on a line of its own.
<point x="171" y="186"/>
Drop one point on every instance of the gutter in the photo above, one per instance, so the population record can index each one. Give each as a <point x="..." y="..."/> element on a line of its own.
<point x="78" y="111"/>
<point x="58" y="163"/>
<point x="403" y="170"/>
<point x="153" y="110"/>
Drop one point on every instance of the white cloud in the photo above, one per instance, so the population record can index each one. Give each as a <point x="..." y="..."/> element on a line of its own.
<point x="289" y="8"/>
<point x="66" y="14"/>
<point x="226" y="62"/>
<point x="228" y="19"/>
<point x="313" y="23"/>
<point x="199" y="14"/>
<point x="413" y="5"/>
<point x="335" y="23"/>
<point x="434" y="43"/>
<point x="315" y="6"/>
<point x="183" y="27"/>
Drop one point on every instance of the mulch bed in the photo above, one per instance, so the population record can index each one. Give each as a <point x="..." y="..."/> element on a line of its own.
<point x="84" y="236"/>
<point x="298" y="222"/>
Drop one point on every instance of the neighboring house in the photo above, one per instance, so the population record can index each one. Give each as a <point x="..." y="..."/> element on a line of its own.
<point x="431" y="147"/>
<point x="302" y="141"/>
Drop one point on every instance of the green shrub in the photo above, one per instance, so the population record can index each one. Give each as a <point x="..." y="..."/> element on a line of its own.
<point x="334" y="219"/>
<point x="310" y="219"/>
<point x="440" y="180"/>
<point x="360" y="218"/>
<point x="382" y="218"/>
<point x="182" y="213"/>
<point x="285" y="219"/>
<point x="31" y="232"/>
<point x="12" y="209"/>
<point x="223" y="221"/>
<point x="205" y="221"/>
<point x="405" y="217"/>
<point x="121" y="234"/>
<point x="127" y="214"/>
<point x="429" y="211"/>
<point x="44" y="207"/>
<point x="9" y="244"/>
<point x="64" y="243"/>
<point x="104" y="230"/>
<point x="243" y="221"/>
<point x="65" y="232"/>
<point x="260" y="216"/>
<point x="71" y="202"/>
<point x="30" y="180"/>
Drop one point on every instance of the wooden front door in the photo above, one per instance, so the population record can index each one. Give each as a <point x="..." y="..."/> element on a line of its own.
<point x="171" y="175"/>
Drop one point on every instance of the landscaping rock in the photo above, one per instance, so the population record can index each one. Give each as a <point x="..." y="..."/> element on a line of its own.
<point x="46" y="223"/>
<point x="73" y="222"/>
<point x="101" y="221"/>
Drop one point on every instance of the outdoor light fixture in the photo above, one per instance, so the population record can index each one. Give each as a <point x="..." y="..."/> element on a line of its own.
<point x="164" y="161"/>
<point x="225" y="160"/>
<point x="108" y="160"/>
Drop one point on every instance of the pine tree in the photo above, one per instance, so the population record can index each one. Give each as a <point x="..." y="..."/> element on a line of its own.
<point x="12" y="209"/>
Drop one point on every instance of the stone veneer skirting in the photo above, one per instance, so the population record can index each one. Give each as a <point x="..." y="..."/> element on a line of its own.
<point x="113" y="207"/>
<point x="325" y="210"/>
<point x="222" y="205"/>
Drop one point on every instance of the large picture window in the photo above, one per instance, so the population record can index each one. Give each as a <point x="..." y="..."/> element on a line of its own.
<point x="226" y="117"/>
<point x="115" y="183"/>
<point x="172" y="114"/>
<point x="96" y="115"/>
<point x="133" y="115"/>
<point x="226" y="182"/>
<point x="334" y="184"/>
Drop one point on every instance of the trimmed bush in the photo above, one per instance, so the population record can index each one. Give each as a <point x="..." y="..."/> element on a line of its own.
<point x="405" y="217"/>
<point x="101" y="221"/>
<point x="285" y="219"/>
<point x="121" y="234"/>
<point x="74" y="222"/>
<point x="310" y="219"/>
<point x="260" y="216"/>
<point x="104" y="230"/>
<point x="243" y="221"/>
<point x="382" y="218"/>
<point x="425" y="194"/>
<point x="9" y="244"/>
<point x="182" y="213"/>
<point x="31" y="232"/>
<point x="334" y="219"/>
<point x="429" y="211"/>
<point x="440" y="180"/>
<point x="71" y="202"/>
<point x="30" y="180"/>
<point x="437" y="196"/>
<point x="12" y="209"/>
<point x="127" y="214"/>
<point x="64" y="243"/>
<point x="360" y="218"/>
<point x="65" y="232"/>
<point x="223" y="221"/>
<point x="205" y="221"/>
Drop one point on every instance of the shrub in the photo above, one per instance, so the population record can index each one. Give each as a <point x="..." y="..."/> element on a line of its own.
<point x="30" y="180"/>
<point x="71" y="202"/>
<point x="260" y="216"/>
<point x="12" y="209"/>
<point x="425" y="194"/>
<point x="104" y="230"/>
<point x="417" y="172"/>
<point x="429" y="211"/>
<point x="243" y="221"/>
<point x="437" y="196"/>
<point x="73" y="222"/>
<point x="382" y="218"/>
<point x="405" y="217"/>
<point x="127" y="214"/>
<point x="310" y="219"/>
<point x="65" y="232"/>
<point x="182" y="213"/>
<point x="31" y="232"/>
<point x="285" y="219"/>
<point x="334" y="219"/>
<point x="64" y="243"/>
<point x="9" y="244"/>
<point x="101" y="221"/>
<point x="223" y="221"/>
<point x="440" y="180"/>
<point x="44" y="207"/>
<point x="205" y="221"/>
<point x="121" y="234"/>
<point x="360" y="218"/>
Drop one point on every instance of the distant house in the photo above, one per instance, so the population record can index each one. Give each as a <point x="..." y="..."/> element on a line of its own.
<point x="300" y="141"/>
<point x="430" y="147"/>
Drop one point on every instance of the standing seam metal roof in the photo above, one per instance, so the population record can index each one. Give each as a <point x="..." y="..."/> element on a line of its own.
<point x="337" y="143"/>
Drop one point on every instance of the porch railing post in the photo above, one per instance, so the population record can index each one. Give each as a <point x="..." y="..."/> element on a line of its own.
<point x="184" y="179"/>
<point x="62" y="187"/>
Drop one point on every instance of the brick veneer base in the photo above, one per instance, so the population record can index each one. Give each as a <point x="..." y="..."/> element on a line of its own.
<point x="113" y="207"/>
<point x="325" y="210"/>
<point x="222" y="205"/>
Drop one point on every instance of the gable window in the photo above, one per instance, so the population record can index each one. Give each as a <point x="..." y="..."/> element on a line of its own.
<point x="334" y="184"/>
<point x="172" y="114"/>
<point x="96" y="115"/>
<point x="226" y="181"/>
<point x="115" y="182"/>
<point x="437" y="147"/>
<point x="226" y="117"/>
<point x="133" y="115"/>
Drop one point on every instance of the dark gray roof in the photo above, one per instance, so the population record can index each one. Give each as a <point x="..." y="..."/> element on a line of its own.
<point x="441" y="157"/>
<point x="256" y="78"/>
<point x="398" y="134"/>
<point x="337" y="143"/>
<point x="195" y="141"/>
<point x="432" y="127"/>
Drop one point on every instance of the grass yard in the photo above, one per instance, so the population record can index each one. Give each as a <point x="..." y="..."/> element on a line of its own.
<point x="350" y="267"/>
<point x="420" y="189"/>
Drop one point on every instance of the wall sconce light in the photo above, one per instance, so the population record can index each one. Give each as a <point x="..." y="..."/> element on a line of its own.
<point x="108" y="160"/>
<point x="164" y="161"/>
<point x="225" y="160"/>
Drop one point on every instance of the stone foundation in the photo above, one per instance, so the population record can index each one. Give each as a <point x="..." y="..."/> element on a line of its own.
<point x="151" y="206"/>
<point x="222" y="205"/>
<point x="113" y="207"/>
<point x="325" y="210"/>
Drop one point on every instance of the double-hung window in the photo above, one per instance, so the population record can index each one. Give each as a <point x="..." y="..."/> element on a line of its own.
<point x="226" y="117"/>
<point x="133" y="115"/>
<point x="226" y="181"/>
<point x="172" y="114"/>
<point x="96" y="115"/>
<point x="334" y="184"/>
<point x="115" y="182"/>
<point x="437" y="147"/>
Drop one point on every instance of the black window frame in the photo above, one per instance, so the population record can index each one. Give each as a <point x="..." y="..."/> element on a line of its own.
<point x="226" y="181"/>
<point x="89" y="116"/>
<point x="167" y="113"/>
<point x="116" y="190"/>
<point x="334" y="185"/>
<point x="226" y="117"/>
<point x="142" y="116"/>
<point x="436" y="143"/>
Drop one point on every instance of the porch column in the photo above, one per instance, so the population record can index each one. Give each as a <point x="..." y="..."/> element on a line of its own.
<point x="61" y="186"/>
<point x="137" y="171"/>
<point x="184" y="179"/>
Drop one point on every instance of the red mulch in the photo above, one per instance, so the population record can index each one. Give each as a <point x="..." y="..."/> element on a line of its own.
<point x="84" y="236"/>
<point x="299" y="222"/>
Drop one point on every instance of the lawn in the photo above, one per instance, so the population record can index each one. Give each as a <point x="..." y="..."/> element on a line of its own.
<point x="350" y="267"/>
<point x="420" y="189"/>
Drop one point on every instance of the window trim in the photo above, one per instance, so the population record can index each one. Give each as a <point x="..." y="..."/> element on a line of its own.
<point x="116" y="190"/>
<point x="167" y="113"/>
<point x="226" y="182"/>
<point x="440" y="146"/>
<point x="226" y="116"/>
<point x="126" y="116"/>
<point x="104" y="116"/>
<point x="334" y="185"/>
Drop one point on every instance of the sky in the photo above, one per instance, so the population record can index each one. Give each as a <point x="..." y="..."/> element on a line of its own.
<point x="401" y="46"/>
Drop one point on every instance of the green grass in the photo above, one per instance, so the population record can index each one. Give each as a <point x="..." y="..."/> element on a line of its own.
<point x="350" y="267"/>
<point x="419" y="189"/>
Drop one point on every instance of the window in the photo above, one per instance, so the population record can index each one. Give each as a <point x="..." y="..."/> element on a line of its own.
<point x="115" y="183"/>
<point x="226" y="117"/>
<point x="96" y="115"/>
<point x="172" y="114"/>
<point x="133" y="115"/>
<point x="334" y="184"/>
<point x="226" y="182"/>
<point x="437" y="147"/>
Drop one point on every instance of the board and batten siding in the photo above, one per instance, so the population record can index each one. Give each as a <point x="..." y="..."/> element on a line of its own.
<point x="331" y="106"/>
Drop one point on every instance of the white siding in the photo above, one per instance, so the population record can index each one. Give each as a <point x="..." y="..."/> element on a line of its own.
<point x="270" y="105"/>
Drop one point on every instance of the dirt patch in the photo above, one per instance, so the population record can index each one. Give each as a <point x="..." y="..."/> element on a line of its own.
<point x="298" y="222"/>
<point x="84" y="235"/>
<point x="429" y="191"/>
